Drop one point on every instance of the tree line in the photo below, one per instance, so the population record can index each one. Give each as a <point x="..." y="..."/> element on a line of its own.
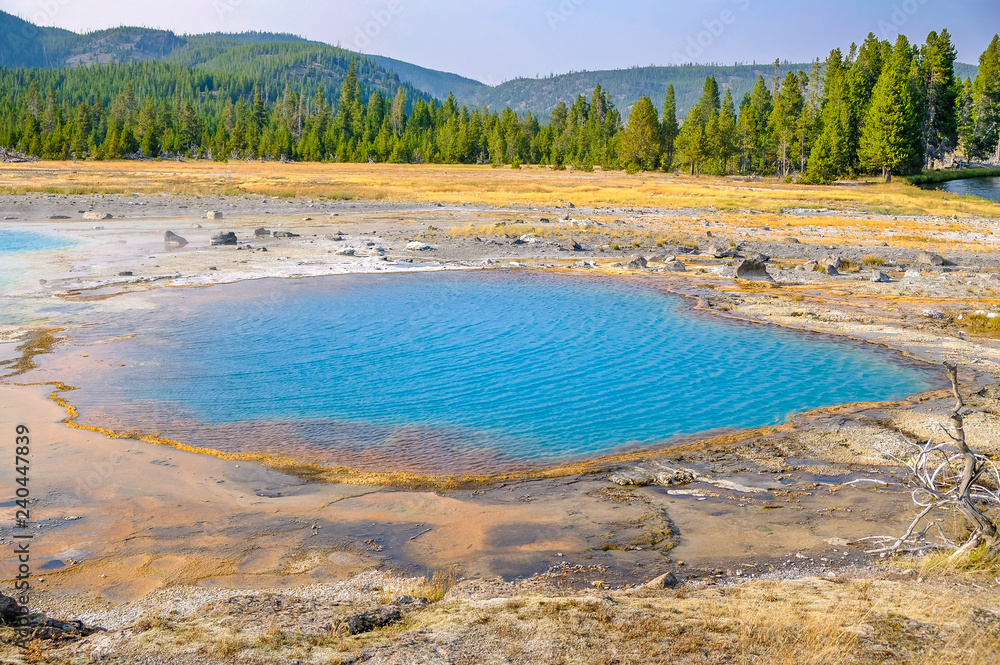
<point x="883" y="108"/>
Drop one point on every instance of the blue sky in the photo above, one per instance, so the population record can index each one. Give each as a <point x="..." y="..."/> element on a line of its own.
<point x="496" y="40"/>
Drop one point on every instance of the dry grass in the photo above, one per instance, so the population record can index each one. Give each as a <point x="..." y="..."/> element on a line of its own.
<point x="980" y="324"/>
<point x="475" y="184"/>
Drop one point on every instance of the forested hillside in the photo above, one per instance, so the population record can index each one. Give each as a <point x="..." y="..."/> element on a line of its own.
<point x="876" y="108"/>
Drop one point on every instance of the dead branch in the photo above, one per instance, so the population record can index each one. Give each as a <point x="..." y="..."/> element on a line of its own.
<point x="944" y="476"/>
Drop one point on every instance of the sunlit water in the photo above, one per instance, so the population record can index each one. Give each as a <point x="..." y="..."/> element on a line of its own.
<point x="453" y="372"/>
<point x="16" y="248"/>
<point x="987" y="188"/>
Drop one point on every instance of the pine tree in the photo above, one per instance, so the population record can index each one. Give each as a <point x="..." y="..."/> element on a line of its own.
<point x="641" y="144"/>
<point x="986" y="97"/>
<point x="669" y="128"/>
<point x="940" y="120"/>
<point x="783" y="122"/>
<point x="887" y="137"/>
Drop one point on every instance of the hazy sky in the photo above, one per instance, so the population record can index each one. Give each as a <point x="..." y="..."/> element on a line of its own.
<point x="495" y="40"/>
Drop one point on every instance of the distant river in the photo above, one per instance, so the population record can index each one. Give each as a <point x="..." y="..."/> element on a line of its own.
<point x="452" y="372"/>
<point x="987" y="188"/>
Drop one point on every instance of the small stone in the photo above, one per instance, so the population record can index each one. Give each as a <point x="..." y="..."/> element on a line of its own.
<point x="261" y="232"/>
<point x="224" y="238"/>
<point x="97" y="215"/>
<point x="174" y="240"/>
<point x="213" y="214"/>
<point x="635" y="476"/>
<point x="929" y="259"/>
<point x="664" y="581"/>
<point x="878" y="276"/>
<point x="753" y="270"/>
<point x="416" y="246"/>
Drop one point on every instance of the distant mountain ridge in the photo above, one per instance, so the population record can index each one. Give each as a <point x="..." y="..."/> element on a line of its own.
<point x="27" y="45"/>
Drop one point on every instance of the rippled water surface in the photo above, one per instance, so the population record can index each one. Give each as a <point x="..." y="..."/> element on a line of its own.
<point x="987" y="188"/>
<point x="449" y="372"/>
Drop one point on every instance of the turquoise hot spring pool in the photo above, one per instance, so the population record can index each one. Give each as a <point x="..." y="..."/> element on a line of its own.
<point x="455" y="372"/>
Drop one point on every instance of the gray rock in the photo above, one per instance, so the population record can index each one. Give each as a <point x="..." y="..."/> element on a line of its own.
<point x="753" y="270"/>
<point x="573" y="246"/>
<point x="913" y="273"/>
<point x="365" y="622"/>
<point x="635" y="476"/>
<point x="97" y="215"/>
<point x="932" y="314"/>
<point x="125" y="273"/>
<point x="261" y="232"/>
<point x="345" y="251"/>
<point x="635" y="263"/>
<point x="285" y="234"/>
<point x="809" y="266"/>
<point x="718" y="251"/>
<point x="583" y="264"/>
<point x="171" y="238"/>
<point x="674" y="266"/>
<point x="831" y="270"/>
<point x="335" y="237"/>
<point x="835" y="261"/>
<point x="224" y="238"/>
<point x="669" y="476"/>
<point x="763" y="258"/>
<point x="928" y="259"/>
<point x="878" y="276"/>
<point x="418" y="247"/>
<point x="213" y="214"/>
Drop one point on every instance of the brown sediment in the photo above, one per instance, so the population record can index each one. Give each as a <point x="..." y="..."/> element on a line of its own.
<point x="39" y="341"/>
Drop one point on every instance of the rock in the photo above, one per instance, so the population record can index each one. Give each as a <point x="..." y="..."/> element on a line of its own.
<point x="635" y="263"/>
<point x="515" y="264"/>
<point x="912" y="273"/>
<point x="831" y="270"/>
<point x="669" y="476"/>
<point x="59" y="217"/>
<point x="793" y="241"/>
<point x="664" y="581"/>
<point x="213" y="214"/>
<point x="285" y="234"/>
<point x="573" y="246"/>
<point x="835" y="261"/>
<point x="528" y="239"/>
<point x="878" y="276"/>
<point x="261" y="232"/>
<point x="364" y="622"/>
<point x="932" y="314"/>
<point x="196" y="226"/>
<point x="418" y="247"/>
<point x="335" y="237"/>
<point x="674" y="266"/>
<point x="125" y="273"/>
<point x="753" y="270"/>
<point x="632" y="477"/>
<point x="718" y="251"/>
<point x="763" y="258"/>
<point x="224" y="238"/>
<point x="809" y="266"/>
<point x="171" y="238"/>
<point x="43" y="628"/>
<point x="928" y="259"/>
<point x="345" y="251"/>
<point x="543" y="220"/>
<point x="100" y="216"/>
<point x="584" y="264"/>
<point x="98" y="228"/>
<point x="570" y="205"/>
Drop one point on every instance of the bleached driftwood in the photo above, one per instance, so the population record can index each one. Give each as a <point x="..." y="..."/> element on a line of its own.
<point x="944" y="476"/>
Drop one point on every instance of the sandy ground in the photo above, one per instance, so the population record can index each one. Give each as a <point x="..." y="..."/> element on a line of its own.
<point x="119" y="519"/>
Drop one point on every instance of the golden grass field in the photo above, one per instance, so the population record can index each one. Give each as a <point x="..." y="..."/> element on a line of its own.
<point x="478" y="184"/>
